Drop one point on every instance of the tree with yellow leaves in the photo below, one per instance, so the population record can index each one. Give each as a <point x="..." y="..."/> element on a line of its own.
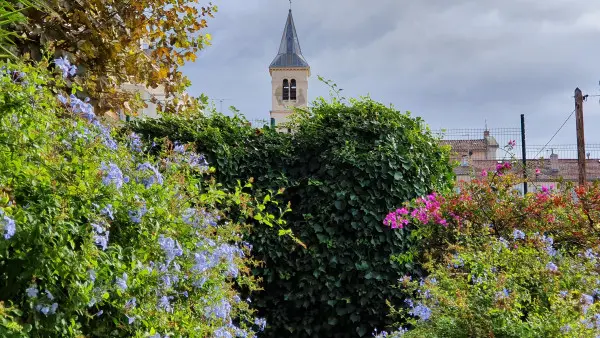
<point x="114" y="42"/>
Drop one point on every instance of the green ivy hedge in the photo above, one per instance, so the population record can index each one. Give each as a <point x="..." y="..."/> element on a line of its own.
<point x="343" y="169"/>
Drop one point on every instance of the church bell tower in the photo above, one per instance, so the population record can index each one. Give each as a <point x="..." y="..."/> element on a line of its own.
<point x="289" y="76"/>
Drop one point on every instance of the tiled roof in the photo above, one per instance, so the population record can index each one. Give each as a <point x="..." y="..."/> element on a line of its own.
<point x="567" y="169"/>
<point x="465" y="145"/>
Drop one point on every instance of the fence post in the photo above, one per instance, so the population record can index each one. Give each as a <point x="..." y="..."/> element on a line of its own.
<point x="524" y="153"/>
<point x="580" y="135"/>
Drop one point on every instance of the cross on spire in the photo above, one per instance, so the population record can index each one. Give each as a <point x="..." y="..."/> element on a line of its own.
<point x="290" y="5"/>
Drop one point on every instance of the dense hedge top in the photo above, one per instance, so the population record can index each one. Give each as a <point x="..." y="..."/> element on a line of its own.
<point x="343" y="169"/>
<point x="101" y="239"/>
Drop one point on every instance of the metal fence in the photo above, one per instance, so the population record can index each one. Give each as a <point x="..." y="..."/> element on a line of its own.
<point x="259" y="123"/>
<point x="504" y="135"/>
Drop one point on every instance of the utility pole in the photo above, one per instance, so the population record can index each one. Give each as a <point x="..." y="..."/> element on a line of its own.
<point x="524" y="153"/>
<point x="221" y="104"/>
<point x="580" y="136"/>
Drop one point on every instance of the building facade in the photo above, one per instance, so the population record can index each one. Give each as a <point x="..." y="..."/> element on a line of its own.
<point x="289" y="77"/>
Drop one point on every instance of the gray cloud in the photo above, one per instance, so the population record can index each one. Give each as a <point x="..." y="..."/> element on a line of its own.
<point x="455" y="63"/>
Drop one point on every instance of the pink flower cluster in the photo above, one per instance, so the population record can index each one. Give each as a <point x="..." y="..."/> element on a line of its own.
<point x="426" y="211"/>
<point x="501" y="167"/>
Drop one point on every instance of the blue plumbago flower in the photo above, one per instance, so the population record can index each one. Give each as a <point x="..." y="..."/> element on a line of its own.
<point x="247" y="245"/>
<point x="409" y="303"/>
<point x="47" y="309"/>
<point x="167" y="279"/>
<point x="199" y="282"/>
<point x="130" y="320"/>
<point x="185" y="294"/>
<point x="189" y="217"/>
<point x="178" y="147"/>
<point x="502" y="294"/>
<point x="9" y="225"/>
<point x="149" y="180"/>
<point x="108" y="141"/>
<point x="210" y="219"/>
<point x="237" y="299"/>
<point x="458" y="262"/>
<point x="589" y="254"/>
<point x="32" y="291"/>
<point x="113" y="175"/>
<point x="65" y="66"/>
<point x="62" y="99"/>
<point x="165" y="304"/>
<point x="219" y="310"/>
<point x="586" y="300"/>
<point x="202" y="262"/>
<point x="83" y="108"/>
<point x="198" y="161"/>
<point x="565" y="329"/>
<point x="261" y="323"/>
<point x="122" y="282"/>
<point x="130" y="304"/>
<point x="136" y="215"/>
<point x="101" y="235"/>
<point x="378" y="334"/>
<point x="99" y="313"/>
<point x="170" y="247"/>
<point x="518" y="234"/>
<point x="228" y="253"/>
<point x="101" y="240"/>
<point x="563" y="294"/>
<point x="135" y="143"/>
<point x="551" y="267"/>
<point x="222" y="332"/>
<point x="108" y="211"/>
<point x="92" y="275"/>
<point x="421" y="311"/>
<point x="588" y="324"/>
<point x="477" y="280"/>
<point x="49" y="295"/>
<point x="156" y="335"/>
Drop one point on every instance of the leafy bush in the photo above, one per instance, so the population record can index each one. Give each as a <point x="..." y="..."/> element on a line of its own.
<point x="342" y="169"/>
<point x="502" y="264"/>
<point x="101" y="239"/>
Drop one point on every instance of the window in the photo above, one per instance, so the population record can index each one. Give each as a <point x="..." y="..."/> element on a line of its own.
<point x="272" y="122"/>
<point x="286" y="90"/>
<point x="293" y="90"/>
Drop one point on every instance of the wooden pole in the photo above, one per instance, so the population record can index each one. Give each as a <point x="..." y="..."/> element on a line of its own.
<point x="580" y="136"/>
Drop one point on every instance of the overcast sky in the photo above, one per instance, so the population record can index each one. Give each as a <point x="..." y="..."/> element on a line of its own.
<point x="455" y="63"/>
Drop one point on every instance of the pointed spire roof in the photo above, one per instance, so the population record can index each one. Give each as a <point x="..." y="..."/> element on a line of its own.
<point x="290" y="54"/>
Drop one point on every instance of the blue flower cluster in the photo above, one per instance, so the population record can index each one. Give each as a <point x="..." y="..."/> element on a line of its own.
<point x="112" y="175"/>
<point x="100" y="234"/>
<point x="46" y="306"/>
<point x="65" y="66"/>
<point x="420" y="310"/>
<point x="149" y="175"/>
<point x="136" y="215"/>
<point x="8" y="224"/>
<point x="196" y="161"/>
<point x="135" y="143"/>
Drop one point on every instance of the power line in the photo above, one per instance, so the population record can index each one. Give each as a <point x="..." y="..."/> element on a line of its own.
<point x="552" y="138"/>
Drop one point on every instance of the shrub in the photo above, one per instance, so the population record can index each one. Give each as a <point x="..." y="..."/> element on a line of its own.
<point x="502" y="264"/>
<point x="342" y="169"/>
<point x="101" y="239"/>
